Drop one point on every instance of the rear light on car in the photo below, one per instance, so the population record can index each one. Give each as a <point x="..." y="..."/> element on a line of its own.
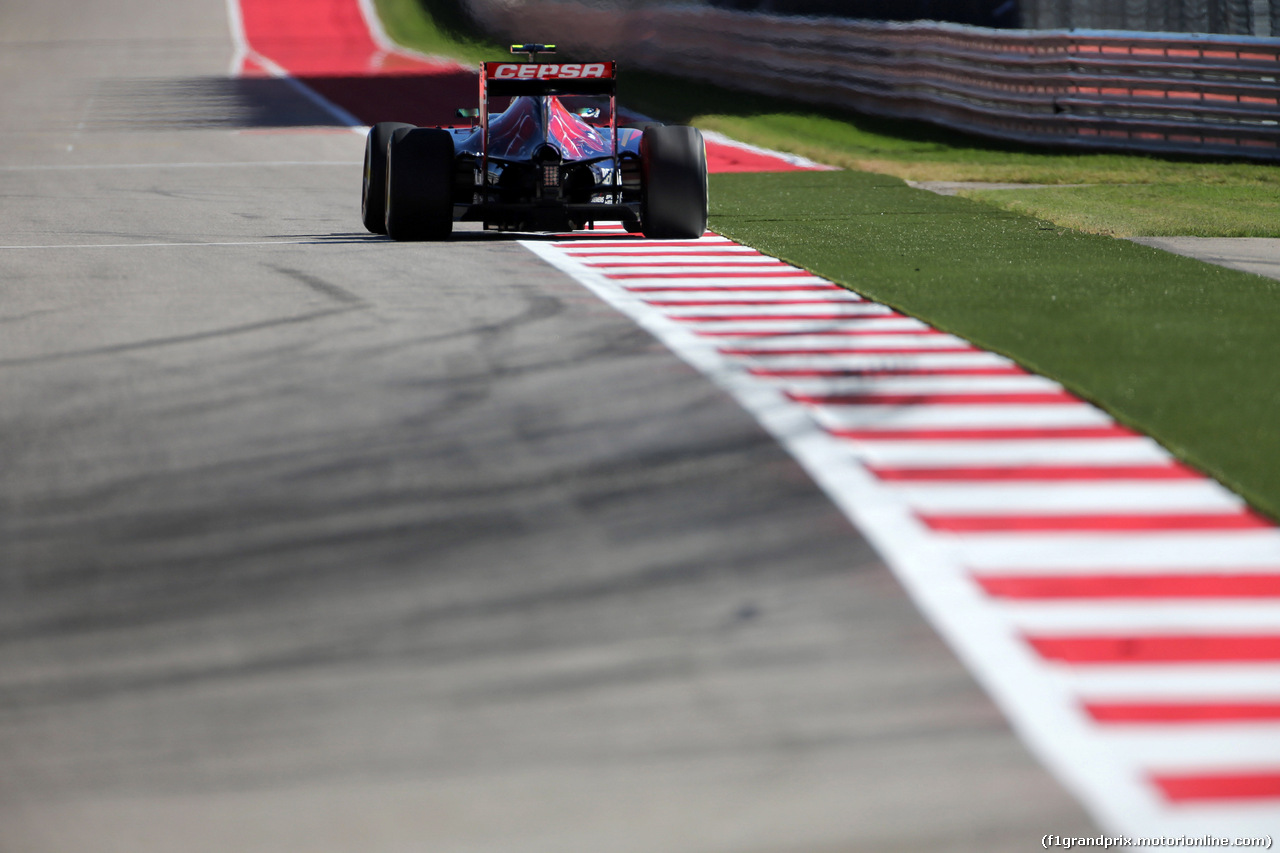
<point x="551" y="175"/>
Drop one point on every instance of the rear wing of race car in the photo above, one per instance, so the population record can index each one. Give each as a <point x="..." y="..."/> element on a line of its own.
<point x="502" y="79"/>
<point x="547" y="78"/>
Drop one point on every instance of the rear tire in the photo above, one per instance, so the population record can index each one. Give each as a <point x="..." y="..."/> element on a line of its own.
<point x="673" y="183"/>
<point x="373" y="195"/>
<point x="420" y="184"/>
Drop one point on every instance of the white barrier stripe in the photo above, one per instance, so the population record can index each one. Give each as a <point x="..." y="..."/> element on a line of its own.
<point x="924" y="417"/>
<point x="896" y="361"/>
<point x="922" y="384"/>
<point x="1094" y="451"/>
<point x="655" y="290"/>
<point x="581" y="244"/>
<point x="699" y="263"/>
<point x="1151" y="568"/>
<point x="873" y="324"/>
<point x="877" y="331"/>
<point x="588" y="252"/>
<point x="1183" y="682"/>
<point x="1234" y="747"/>
<point x="718" y="280"/>
<point x="761" y="296"/>
<point x="1149" y="618"/>
<point x="722" y="328"/>
<point x="1114" y="550"/>
<point x="819" y="343"/>
<point x="746" y="271"/>
<point x="1101" y="496"/>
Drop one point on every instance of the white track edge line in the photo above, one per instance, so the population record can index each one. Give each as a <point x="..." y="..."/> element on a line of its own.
<point x="163" y="245"/>
<point x="78" y="167"/>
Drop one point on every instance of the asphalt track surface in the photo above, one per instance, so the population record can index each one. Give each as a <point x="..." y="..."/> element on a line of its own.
<point x="313" y="541"/>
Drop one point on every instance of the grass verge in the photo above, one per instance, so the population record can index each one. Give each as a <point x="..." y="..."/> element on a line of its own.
<point x="1181" y="350"/>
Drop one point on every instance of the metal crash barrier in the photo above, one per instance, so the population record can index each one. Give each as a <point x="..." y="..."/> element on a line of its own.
<point x="1170" y="93"/>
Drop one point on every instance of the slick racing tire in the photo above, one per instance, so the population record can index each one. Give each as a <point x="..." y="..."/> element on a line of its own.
<point x="373" y="195"/>
<point x="673" y="183"/>
<point x="420" y="184"/>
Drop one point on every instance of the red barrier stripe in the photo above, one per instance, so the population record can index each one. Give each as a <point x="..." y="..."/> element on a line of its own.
<point x="1176" y="648"/>
<point x="980" y="434"/>
<point x="835" y="348"/>
<point x="617" y="276"/>
<point x="812" y="372"/>
<point x="1037" y="473"/>
<point x="862" y="324"/>
<point x="600" y="241"/>
<point x="730" y="158"/>
<point x="766" y="318"/>
<point x="1097" y="585"/>
<point x="864" y="350"/>
<point x="645" y="262"/>
<point x="596" y="237"/>
<point x="1181" y="521"/>
<point x="1182" y="712"/>
<point x="657" y="253"/>
<point x="702" y="288"/>
<point x="317" y="38"/>
<point x="831" y="333"/>
<point x="928" y="399"/>
<point x="753" y="303"/>
<point x="1254" y="785"/>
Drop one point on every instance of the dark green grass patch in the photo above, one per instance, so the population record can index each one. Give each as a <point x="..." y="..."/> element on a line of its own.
<point x="1181" y="350"/>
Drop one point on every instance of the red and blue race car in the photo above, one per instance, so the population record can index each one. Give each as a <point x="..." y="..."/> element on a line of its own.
<point x="548" y="161"/>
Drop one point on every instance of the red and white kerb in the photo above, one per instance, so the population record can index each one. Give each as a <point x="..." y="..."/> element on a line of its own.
<point x="1122" y="609"/>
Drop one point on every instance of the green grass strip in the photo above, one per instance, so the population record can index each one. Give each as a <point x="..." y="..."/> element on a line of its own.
<point x="1183" y="351"/>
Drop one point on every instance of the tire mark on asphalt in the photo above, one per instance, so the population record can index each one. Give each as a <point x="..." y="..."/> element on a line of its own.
<point x="417" y="630"/>
<point x="176" y="340"/>
<point x="18" y="318"/>
<point x="324" y="288"/>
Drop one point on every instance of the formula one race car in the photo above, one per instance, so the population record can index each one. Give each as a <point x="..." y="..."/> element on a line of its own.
<point x="548" y="162"/>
